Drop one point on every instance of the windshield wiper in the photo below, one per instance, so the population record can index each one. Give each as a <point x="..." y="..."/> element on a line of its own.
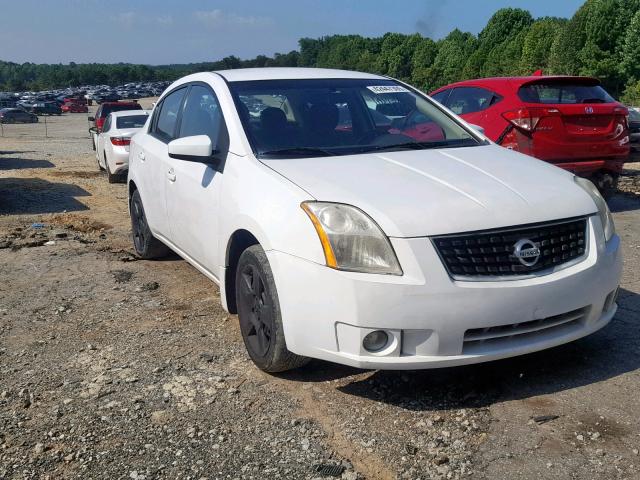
<point x="299" y="151"/>
<point x="423" y="145"/>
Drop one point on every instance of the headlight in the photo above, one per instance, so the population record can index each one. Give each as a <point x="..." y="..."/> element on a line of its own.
<point x="351" y="240"/>
<point x="603" y="209"/>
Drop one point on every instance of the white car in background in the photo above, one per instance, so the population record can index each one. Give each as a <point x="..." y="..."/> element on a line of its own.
<point x="112" y="145"/>
<point x="340" y="237"/>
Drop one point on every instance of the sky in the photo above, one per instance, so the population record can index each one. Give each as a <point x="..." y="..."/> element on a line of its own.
<point x="172" y="31"/>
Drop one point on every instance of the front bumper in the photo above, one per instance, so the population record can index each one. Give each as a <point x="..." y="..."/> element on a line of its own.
<point x="326" y="313"/>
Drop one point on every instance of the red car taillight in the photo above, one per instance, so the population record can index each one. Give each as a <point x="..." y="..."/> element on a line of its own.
<point x="527" y="118"/>
<point x="120" y="141"/>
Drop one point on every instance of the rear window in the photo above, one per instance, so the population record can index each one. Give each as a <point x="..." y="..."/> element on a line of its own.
<point x="560" y="92"/>
<point x="131" y="121"/>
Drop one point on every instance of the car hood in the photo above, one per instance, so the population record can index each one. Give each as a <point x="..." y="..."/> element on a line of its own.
<point x="431" y="192"/>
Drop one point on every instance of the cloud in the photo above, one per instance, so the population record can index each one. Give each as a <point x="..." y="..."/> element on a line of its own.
<point x="125" y="19"/>
<point x="128" y="19"/>
<point x="216" y="18"/>
<point x="164" y="20"/>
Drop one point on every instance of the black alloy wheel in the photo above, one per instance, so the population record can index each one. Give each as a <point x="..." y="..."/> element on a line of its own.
<point x="259" y="314"/>
<point x="146" y="245"/>
<point x="257" y="319"/>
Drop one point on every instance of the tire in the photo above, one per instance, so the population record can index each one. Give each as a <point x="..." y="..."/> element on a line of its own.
<point x="145" y="244"/>
<point x="611" y="188"/>
<point x="607" y="183"/>
<point x="259" y="314"/>
<point x="100" y="167"/>
<point x="111" y="177"/>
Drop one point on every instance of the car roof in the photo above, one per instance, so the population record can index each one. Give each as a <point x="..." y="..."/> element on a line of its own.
<point x="500" y="83"/>
<point x="126" y="113"/>
<point x="287" y="73"/>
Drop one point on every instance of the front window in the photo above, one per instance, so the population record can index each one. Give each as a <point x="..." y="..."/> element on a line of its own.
<point x="297" y="118"/>
<point x="465" y="100"/>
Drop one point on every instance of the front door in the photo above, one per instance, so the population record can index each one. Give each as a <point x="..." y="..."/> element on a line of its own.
<point x="192" y="188"/>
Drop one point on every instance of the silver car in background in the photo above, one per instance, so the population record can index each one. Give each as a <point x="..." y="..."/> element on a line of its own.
<point x="112" y="146"/>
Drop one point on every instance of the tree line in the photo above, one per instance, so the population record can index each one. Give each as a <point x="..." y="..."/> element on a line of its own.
<point x="602" y="39"/>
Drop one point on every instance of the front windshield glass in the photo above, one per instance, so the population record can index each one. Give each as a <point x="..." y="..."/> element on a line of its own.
<point x="298" y="118"/>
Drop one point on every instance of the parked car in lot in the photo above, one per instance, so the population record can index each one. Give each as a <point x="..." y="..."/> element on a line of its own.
<point x="103" y="112"/>
<point x="74" y="108"/>
<point x="360" y="245"/>
<point x="46" y="108"/>
<point x="17" y="115"/>
<point x="571" y="122"/>
<point x="112" y="151"/>
<point x="634" y="129"/>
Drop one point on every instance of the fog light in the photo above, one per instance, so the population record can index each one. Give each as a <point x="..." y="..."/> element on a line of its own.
<point x="375" y="341"/>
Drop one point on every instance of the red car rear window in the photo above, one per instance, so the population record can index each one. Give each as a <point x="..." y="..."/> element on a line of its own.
<point x="563" y="93"/>
<point x="107" y="109"/>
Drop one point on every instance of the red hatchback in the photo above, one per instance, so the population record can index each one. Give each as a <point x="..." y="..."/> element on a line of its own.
<point x="571" y="122"/>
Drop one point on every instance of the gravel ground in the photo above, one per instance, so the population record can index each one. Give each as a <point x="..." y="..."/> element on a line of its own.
<point x="115" y="367"/>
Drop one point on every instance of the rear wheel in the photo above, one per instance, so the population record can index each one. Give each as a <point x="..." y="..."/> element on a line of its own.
<point x="100" y="167"/>
<point x="146" y="245"/>
<point x="259" y="314"/>
<point x="111" y="177"/>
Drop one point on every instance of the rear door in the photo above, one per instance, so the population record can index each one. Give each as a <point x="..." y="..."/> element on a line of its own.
<point x="151" y="157"/>
<point x="576" y="119"/>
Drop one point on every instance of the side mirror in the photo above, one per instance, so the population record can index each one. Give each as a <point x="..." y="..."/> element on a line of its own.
<point x="477" y="128"/>
<point x="197" y="148"/>
<point x="91" y="119"/>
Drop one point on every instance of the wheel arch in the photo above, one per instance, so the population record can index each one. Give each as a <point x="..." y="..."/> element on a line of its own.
<point x="239" y="241"/>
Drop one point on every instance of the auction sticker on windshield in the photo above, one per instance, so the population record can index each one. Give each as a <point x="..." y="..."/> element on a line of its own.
<point x="388" y="89"/>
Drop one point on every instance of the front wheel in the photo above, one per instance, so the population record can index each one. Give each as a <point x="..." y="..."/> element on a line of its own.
<point x="259" y="314"/>
<point x="147" y="246"/>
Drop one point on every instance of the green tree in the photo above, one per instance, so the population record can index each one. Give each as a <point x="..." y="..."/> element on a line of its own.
<point x="503" y="27"/>
<point x="537" y="44"/>
<point x="630" y="64"/>
<point x="447" y="66"/>
<point x="631" y="94"/>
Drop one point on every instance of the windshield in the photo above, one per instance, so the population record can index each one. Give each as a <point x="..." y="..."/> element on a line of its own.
<point x="131" y="121"/>
<point x="297" y="118"/>
<point x="563" y="93"/>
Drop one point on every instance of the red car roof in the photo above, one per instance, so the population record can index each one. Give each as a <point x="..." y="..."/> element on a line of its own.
<point x="511" y="83"/>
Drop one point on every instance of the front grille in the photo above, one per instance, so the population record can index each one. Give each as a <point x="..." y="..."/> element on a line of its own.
<point x="476" y="340"/>
<point x="490" y="253"/>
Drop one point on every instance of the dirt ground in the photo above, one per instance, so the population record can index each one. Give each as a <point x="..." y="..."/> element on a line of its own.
<point x="114" y="367"/>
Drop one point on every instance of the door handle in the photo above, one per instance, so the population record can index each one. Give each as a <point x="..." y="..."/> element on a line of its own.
<point x="141" y="155"/>
<point x="171" y="175"/>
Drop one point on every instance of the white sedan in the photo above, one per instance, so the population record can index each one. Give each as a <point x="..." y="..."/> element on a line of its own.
<point x="335" y="234"/>
<point x="112" y="145"/>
